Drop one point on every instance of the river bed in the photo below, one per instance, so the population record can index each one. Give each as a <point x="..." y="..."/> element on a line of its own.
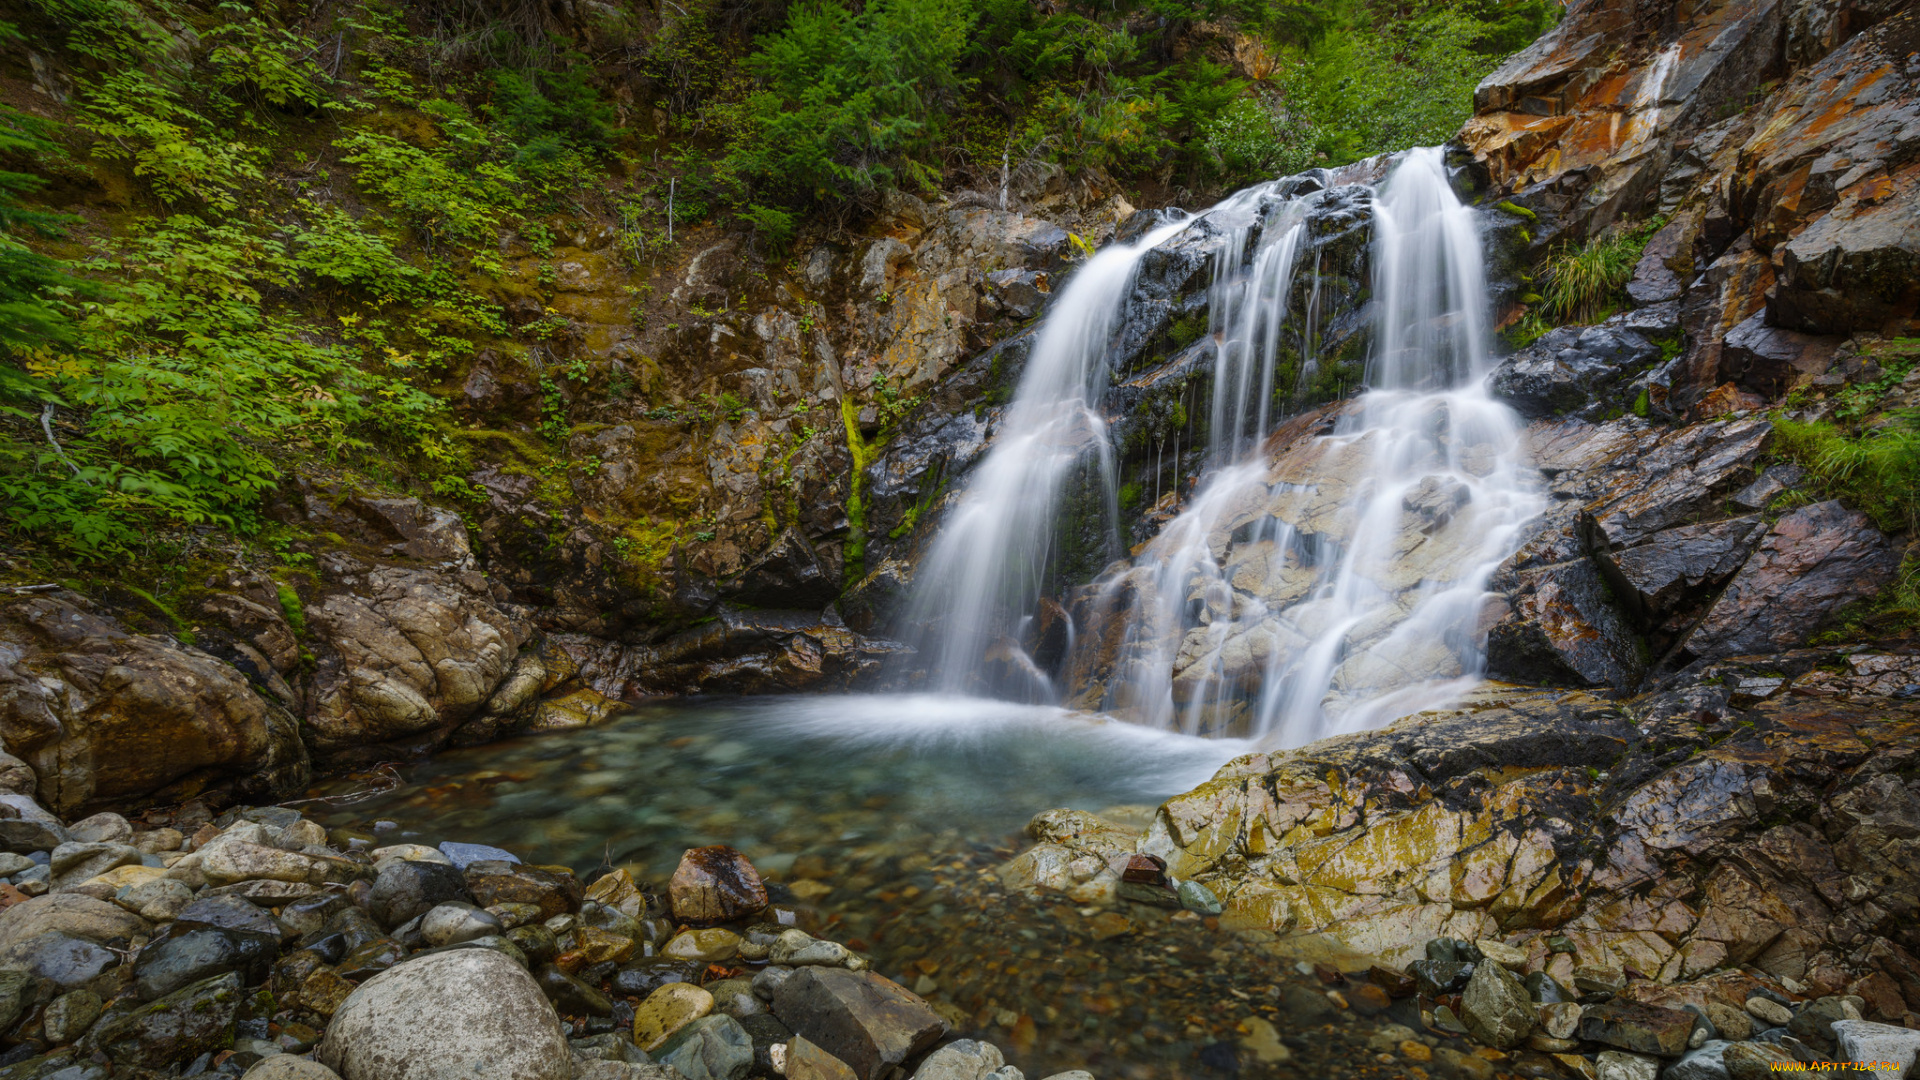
<point x="882" y="820"/>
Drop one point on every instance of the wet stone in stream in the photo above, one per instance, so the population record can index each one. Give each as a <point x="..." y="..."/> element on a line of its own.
<point x="885" y="833"/>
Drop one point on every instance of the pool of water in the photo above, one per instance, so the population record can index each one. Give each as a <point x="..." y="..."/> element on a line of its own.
<point x="889" y="815"/>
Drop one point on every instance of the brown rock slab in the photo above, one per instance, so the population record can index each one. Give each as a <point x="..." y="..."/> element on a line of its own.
<point x="554" y="890"/>
<point x="1643" y="1029"/>
<point x="806" y="1061"/>
<point x="869" y="1022"/>
<point x="715" y="884"/>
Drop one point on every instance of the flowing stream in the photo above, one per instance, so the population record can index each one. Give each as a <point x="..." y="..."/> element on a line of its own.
<point x="1309" y="586"/>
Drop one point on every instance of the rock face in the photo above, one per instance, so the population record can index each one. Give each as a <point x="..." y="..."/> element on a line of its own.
<point x="471" y="1012"/>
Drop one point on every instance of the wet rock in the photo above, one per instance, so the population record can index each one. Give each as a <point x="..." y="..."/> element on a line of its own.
<point x="867" y="1021"/>
<point x="194" y="955"/>
<point x="1573" y="370"/>
<point x="1672" y="568"/>
<point x="710" y="1048"/>
<point x="1813" y="562"/>
<point x="667" y="1010"/>
<point x="612" y="1046"/>
<point x="1561" y="1020"/>
<point x="570" y="995"/>
<point x="1643" y="1029"/>
<point x="1496" y="1007"/>
<point x="190" y="1021"/>
<point x="465" y="1012"/>
<point x="706" y="945"/>
<point x="324" y="991"/>
<point x="234" y="913"/>
<point x="1198" y="898"/>
<point x="1813" y="1023"/>
<point x="1547" y="990"/>
<point x="797" y="948"/>
<point x="457" y="921"/>
<point x="1562" y="628"/>
<point x="1770" y="360"/>
<point x="643" y="977"/>
<point x="715" y="884"/>
<point x="553" y="891"/>
<point x="406" y="890"/>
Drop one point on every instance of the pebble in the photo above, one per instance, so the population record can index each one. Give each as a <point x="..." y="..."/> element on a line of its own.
<point x="708" y="945"/>
<point x="666" y="1011"/>
<point x="1771" y="1012"/>
<point x="457" y="921"/>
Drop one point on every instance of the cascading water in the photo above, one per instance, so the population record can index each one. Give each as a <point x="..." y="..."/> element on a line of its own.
<point x="987" y="563"/>
<point x="1311" y="585"/>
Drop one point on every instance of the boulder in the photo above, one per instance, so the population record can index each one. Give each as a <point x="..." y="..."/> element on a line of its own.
<point x="1561" y="627"/>
<point x="468" y="1012"/>
<point x="962" y="1059"/>
<point x="457" y="921"/>
<point x="1754" y="1060"/>
<point x="1496" y="1007"/>
<point x="190" y="956"/>
<point x="1770" y="360"/>
<point x="405" y="890"/>
<point x="869" y="1022"/>
<point x="806" y="1061"/>
<point x="1642" y="1029"/>
<point x="1865" y="1041"/>
<point x="1667" y="572"/>
<point x="70" y="1015"/>
<point x="173" y="1030"/>
<point x="105" y="715"/>
<point x="1813" y="562"/>
<point x="715" y="884"/>
<point x="74" y="862"/>
<point x="289" y="1067"/>
<point x="103" y="828"/>
<point x="1573" y="370"/>
<point x="555" y="891"/>
<point x="26" y="827"/>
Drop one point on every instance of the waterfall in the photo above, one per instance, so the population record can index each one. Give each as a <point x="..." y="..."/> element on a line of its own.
<point x="986" y="564"/>
<point x="1327" y="575"/>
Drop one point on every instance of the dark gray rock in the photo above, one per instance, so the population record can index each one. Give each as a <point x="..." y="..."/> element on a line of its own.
<point x="766" y="1031"/>
<point x="175" y="1029"/>
<point x="710" y="1048"/>
<point x="465" y="855"/>
<point x="1659" y="577"/>
<point x="867" y="1021"/>
<point x="1771" y="360"/>
<point x="1642" y="1029"/>
<point x="26" y="826"/>
<point x="570" y="995"/>
<point x="1572" y="370"/>
<point x="1496" y="1007"/>
<point x="1813" y="562"/>
<point x="68" y="962"/>
<point x="1562" y="627"/>
<point x="228" y="913"/>
<point x="405" y="890"/>
<point x="190" y="956"/>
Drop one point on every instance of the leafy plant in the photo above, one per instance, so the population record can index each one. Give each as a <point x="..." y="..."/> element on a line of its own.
<point x="1581" y="284"/>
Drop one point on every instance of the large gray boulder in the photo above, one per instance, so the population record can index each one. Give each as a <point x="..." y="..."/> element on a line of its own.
<point x="466" y="1013"/>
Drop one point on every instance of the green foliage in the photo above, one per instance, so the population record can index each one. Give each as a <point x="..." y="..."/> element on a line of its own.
<point x="30" y="283"/>
<point x="142" y="120"/>
<point x="266" y="65"/>
<point x="1876" y="471"/>
<point x="850" y="102"/>
<point x="1583" y="283"/>
<point x="549" y="112"/>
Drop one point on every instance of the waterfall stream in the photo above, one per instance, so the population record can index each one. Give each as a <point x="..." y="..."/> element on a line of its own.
<point x="1324" y="580"/>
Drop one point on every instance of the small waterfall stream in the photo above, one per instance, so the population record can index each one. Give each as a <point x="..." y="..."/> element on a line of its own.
<point x="1311" y="584"/>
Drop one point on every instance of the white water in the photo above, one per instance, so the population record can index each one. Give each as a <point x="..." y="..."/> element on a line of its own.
<point x="1307" y="589"/>
<point x="987" y="564"/>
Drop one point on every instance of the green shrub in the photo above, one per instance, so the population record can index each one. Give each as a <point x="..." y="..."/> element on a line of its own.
<point x="1582" y="284"/>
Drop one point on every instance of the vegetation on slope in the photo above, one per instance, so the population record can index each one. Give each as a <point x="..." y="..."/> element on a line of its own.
<point x="192" y="306"/>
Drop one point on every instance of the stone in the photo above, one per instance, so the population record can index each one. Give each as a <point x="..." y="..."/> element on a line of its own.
<point x="806" y="1061"/>
<point x="16" y="777"/>
<point x="1815" y="1020"/>
<point x="1501" y="953"/>
<point x="25" y="826"/>
<point x="535" y="941"/>
<point x="616" y="890"/>
<point x="467" y="1012"/>
<point x="1559" y="626"/>
<point x="1814" y="561"/>
<point x="1496" y="1007"/>
<point x="867" y="1021"/>
<point x="612" y="1046"/>
<point x="962" y="1059"/>
<point x="1198" y="898"/>
<point x="1561" y="1020"/>
<point x="157" y="901"/>
<point x="1572" y="370"/>
<point x="714" y="885"/>
<point x="1614" y="1065"/>
<point x="1702" y="1063"/>
<point x="405" y="890"/>
<point x="667" y="1010"/>
<point x="570" y="995"/>
<point x="193" y="1020"/>
<point x="1733" y="1024"/>
<point x="797" y="948"/>
<point x="710" y="945"/>
<point x="371" y="958"/>
<point x="289" y="1067"/>
<point x="101" y="829"/>
<point x="456" y="921"/>
<point x="1435" y="978"/>
<point x="190" y="956"/>
<point x="1753" y="1060"/>
<point x="554" y="891"/>
<point x="1769" y="1012"/>
<point x="324" y="991"/>
<point x="74" y="862"/>
<point x="70" y="1015"/>
<point x="465" y="855"/>
<point x="710" y="1048"/>
<point x="1643" y="1029"/>
<point x="1864" y="1041"/>
<point x="408" y="853"/>
<point x="17" y="992"/>
<point x="1546" y="989"/>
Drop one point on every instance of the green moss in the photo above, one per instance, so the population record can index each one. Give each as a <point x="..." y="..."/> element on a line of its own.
<point x="855" y="552"/>
<point x="1642" y="405"/>
<point x="292" y="608"/>
<point x="1516" y="210"/>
